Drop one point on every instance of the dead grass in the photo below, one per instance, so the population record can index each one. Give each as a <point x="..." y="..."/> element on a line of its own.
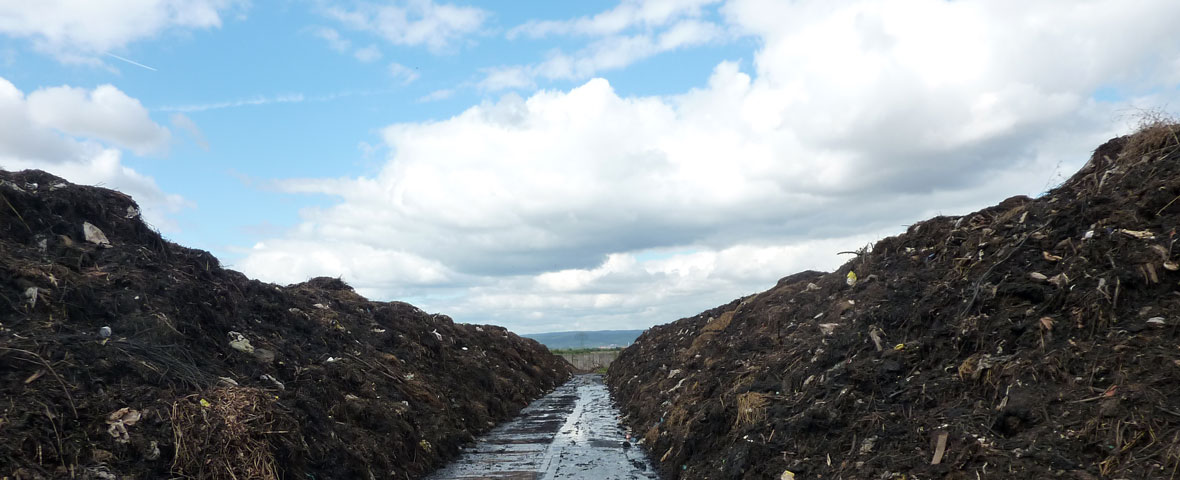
<point x="719" y="323"/>
<point x="1156" y="132"/>
<point x="221" y="434"/>
<point x="751" y="408"/>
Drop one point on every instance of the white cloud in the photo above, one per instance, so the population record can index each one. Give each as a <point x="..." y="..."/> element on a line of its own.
<point x="241" y="102"/>
<point x="105" y="113"/>
<point x="402" y="73"/>
<point x="181" y="121"/>
<point x="80" y="29"/>
<point x="339" y="43"/>
<point x="367" y="54"/>
<point x="37" y="132"/>
<point x="628" y="14"/>
<point x="628" y="33"/>
<point x="855" y="118"/>
<point x="441" y="94"/>
<point x="438" y="26"/>
<point x="333" y="38"/>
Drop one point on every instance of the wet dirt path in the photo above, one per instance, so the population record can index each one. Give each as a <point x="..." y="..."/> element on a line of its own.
<point x="572" y="433"/>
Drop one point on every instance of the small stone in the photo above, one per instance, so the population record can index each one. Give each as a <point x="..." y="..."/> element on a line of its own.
<point x="263" y="355"/>
<point x="240" y="343"/>
<point x="94" y="235"/>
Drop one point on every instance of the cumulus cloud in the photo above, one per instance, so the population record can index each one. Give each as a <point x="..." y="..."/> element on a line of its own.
<point x="855" y="118"/>
<point x="39" y="132"/>
<point x="438" y="26"/>
<point x="104" y="113"/>
<point x="80" y="29"/>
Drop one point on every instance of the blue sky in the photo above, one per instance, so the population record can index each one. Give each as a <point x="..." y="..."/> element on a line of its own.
<point x="568" y="165"/>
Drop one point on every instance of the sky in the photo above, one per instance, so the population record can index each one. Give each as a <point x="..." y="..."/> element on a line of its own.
<point x="552" y="166"/>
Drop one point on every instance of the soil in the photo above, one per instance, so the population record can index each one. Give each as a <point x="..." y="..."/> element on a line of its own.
<point x="201" y="372"/>
<point x="1039" y="338"/>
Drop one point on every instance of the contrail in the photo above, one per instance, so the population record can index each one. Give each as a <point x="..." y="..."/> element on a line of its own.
<point x="133" y="62"/>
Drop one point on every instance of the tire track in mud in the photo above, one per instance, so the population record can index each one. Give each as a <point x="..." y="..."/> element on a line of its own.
<point x="572" y="433"/>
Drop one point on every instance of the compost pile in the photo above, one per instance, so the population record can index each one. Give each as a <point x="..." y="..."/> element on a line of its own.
<point x="125" y="356"/>
<point x="1034" y="339"/>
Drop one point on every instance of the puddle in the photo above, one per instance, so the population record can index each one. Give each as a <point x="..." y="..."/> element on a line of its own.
<point x="572" y="433"/>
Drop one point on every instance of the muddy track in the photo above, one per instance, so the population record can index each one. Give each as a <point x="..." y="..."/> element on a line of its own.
<point x="572" y="433"/>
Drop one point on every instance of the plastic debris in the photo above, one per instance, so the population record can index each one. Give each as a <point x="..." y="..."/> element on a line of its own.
<point x="1038" y="276"/>
<point x="1157" y="321"/>
<point x="1060" y="280"/>
<point x="1050" y="257"/>
<point x="437" y="335"/>
<point x="851" y="279"/>
<point x="828" y="328"/>
<point x="94" y="235"/>
<point x="1171" y="266"/>
<point x="132" y="212"/>
<point x="104" y="332"/>
<point x="32" y="293"/>
<point x="240" y="343"/>
<point x="787" y="475"/>
<point x="119" y="420"/>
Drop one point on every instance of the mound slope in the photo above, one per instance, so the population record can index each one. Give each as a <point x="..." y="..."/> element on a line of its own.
<point x="204" y="373"/>
<point x="1034" y="339"/>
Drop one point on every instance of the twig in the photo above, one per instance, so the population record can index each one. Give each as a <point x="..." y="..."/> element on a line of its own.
<point x="983" y="277"/>
<point x="1166" y="206"/>
<point x="64" y="388"/>
<point x="22" y="219"/>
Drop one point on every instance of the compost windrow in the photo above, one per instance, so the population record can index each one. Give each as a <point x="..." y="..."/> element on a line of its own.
<point x="1037" y="338"/>
<point x="123" y="355"/>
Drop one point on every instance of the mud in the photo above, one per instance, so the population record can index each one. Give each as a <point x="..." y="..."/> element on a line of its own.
<point x="572" y="433"/>
<point x="1039" y="338"/>
<point x="123" y="355"/>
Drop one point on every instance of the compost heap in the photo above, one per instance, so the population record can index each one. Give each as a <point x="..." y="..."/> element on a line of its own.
<point x="125" y="356"/>
<point x="1033" y="339"/>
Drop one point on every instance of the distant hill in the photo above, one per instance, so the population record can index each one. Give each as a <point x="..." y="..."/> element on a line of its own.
<point x="594" y="339"/>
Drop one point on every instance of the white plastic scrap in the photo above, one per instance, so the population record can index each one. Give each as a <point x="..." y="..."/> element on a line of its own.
<point x="32" y="293"/>
<point x="132" y="212"/>
<point x="1159" y="321"/>
<point x="94" y="235"/>
<point x="104" y="332"/>
<point x="437" y="335"/>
